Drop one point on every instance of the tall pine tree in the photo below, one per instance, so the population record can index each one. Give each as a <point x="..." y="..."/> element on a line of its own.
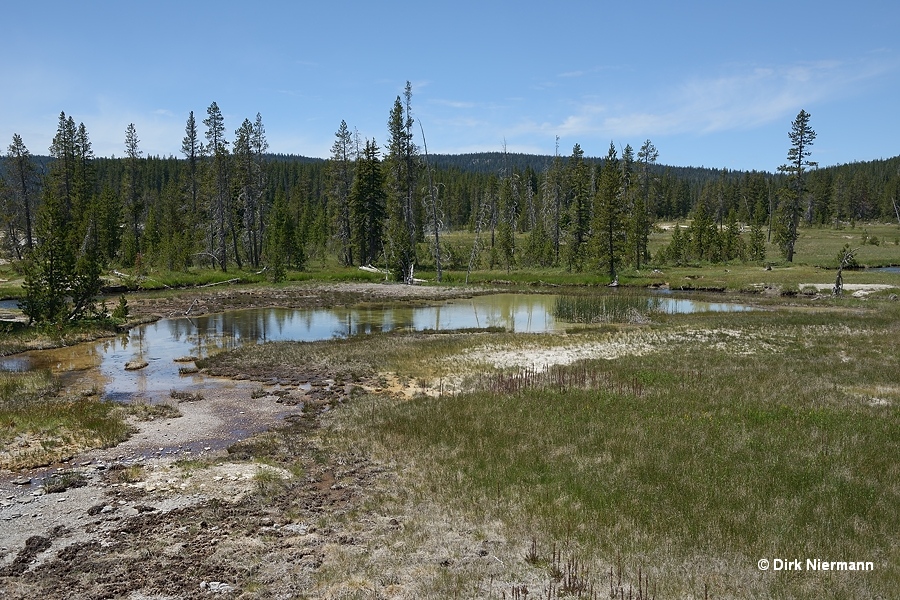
<point x="404" y="210"/>
<point x="579" y="186"/>
<point x="609" y="227"/>
<point x="218" y="158"/>
<point x="339" y="175"/>
<point x="23" y="185"/>
<point x="802" y="137"/>
<point x="368" y="206"/>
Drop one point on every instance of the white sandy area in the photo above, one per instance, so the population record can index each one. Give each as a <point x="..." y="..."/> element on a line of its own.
<point x="859" y="289"/>
<point x="541" y="357"/>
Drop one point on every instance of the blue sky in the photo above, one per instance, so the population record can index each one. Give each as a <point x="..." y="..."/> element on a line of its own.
<point x="712" y="84"/>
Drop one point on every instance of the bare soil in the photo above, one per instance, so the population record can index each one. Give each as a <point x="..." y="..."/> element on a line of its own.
<point x="172" y="514"/>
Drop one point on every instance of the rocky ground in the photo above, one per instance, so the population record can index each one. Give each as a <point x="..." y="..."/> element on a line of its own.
<point x="172" y="514"/>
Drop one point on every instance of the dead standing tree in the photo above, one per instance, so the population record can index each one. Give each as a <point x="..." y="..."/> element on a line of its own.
<point x="846" y="259"/>
<point x="476" y="244"/>
<point x="433" y="209"/>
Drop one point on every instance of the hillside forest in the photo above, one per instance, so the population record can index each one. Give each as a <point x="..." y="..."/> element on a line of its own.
<point x="226" y="203"/>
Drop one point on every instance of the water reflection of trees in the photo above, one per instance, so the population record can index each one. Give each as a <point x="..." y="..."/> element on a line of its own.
<point x="168" y="339"/>
<point x="208" y="334"/>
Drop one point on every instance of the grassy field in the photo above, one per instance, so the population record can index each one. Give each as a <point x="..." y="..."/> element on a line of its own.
<point x="710" y="442"/>
<point x="878" y="244"/>
<point x="815" y="262"/>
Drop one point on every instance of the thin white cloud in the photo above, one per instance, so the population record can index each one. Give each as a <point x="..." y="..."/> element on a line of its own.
<point x="575" y="73"/>
<point x="452" y="103"/>
<point x="746" y="99"/>
<point x="292" y="93"/>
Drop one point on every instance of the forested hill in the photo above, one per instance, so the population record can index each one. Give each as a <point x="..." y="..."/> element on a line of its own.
<point x="499" y="163"/>
<point x="294" y="158"/>
<point x="491" y="162"/>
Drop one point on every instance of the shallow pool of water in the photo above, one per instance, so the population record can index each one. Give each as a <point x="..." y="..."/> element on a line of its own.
<point x="162" y="343"/>
<point x="9" y="310"/>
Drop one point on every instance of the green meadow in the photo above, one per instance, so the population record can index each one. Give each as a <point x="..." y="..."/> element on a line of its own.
<point x="708" y="442"/>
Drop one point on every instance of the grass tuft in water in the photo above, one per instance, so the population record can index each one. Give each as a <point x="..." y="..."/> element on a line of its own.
<point x="621" y="307"/>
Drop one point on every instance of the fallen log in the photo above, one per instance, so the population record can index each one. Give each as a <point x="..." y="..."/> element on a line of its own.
<point x="235" y="280"/>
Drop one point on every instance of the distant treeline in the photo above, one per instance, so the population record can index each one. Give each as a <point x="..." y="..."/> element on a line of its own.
<point x="227" y="201"/>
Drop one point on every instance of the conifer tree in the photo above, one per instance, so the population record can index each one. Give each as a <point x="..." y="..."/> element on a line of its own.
<point x="507" y="212"/>
<point x="48" y="265"/>
<point x="109" y="211"/>
<point x="259" y="146"/>
<point x="702" y="234"/>
<point x="802" y="137"/>
<point x="756" y="250"/>
<point x="61" y="281"/>
<point x="9" y="222"/>
<point x="676" y="251"/>
<point x="191" y="149"/>
<point x="339" y="175"/>
<point x="23" y="184"/>
<point x="250" y="146"/>
<point x="579" y="186"/>
<point x="168" y="237"/>
<point x="84" y="178"/>
<point x="545" y="236"/>
<point x="609" y="234"/>
<point x="551" y="193"/>
<point x="732" y="243"/>
<point x="218" y="184"/>
<point x="368" y="206"/>
<point x="134" y="201"/>
<point x="644" y="205"/>
<point x="62" y="173"/>
<point x="404" y="211"/>
<point x="283" y="248"/>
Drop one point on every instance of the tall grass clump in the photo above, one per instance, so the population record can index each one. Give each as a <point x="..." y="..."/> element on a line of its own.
<point x="39" y="426"/>
<point x="625" y="306"/>
<point x="21" y="387"/>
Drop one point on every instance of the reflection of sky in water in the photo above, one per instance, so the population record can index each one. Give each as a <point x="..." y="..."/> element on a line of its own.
<point x="9" y="310"/>
<point x="16" y="363"/>
<point x="674" y="306"/>
<point x="162" y="342"/>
